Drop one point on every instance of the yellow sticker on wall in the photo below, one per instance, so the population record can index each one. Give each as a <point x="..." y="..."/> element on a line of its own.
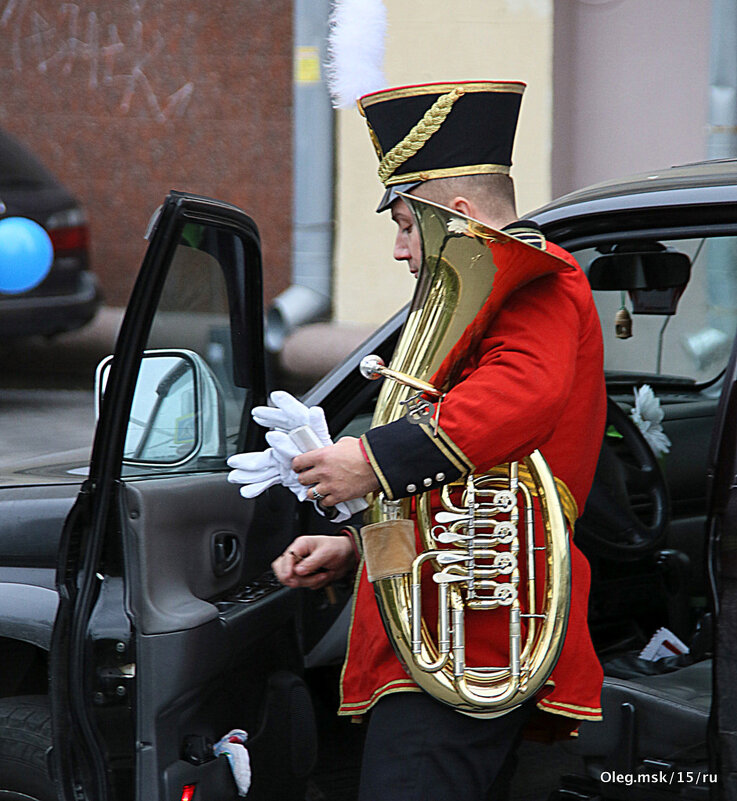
<point x="306" y="64"/>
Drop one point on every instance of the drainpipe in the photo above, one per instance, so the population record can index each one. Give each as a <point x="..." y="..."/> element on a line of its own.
<point x="308" y="297"/>
<point x="712" y="342"/>
<point x="722" y="141"/>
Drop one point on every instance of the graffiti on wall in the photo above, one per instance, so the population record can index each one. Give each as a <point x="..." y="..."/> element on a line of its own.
<point x="75" y="38"/>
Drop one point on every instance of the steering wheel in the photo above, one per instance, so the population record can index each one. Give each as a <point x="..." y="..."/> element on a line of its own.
<point x="628" y="509"/>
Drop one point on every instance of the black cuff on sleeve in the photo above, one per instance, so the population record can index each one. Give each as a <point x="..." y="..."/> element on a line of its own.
<point x="408" y="458"/>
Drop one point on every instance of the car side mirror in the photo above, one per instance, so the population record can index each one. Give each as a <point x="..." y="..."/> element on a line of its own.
<point x="176" y="415"/>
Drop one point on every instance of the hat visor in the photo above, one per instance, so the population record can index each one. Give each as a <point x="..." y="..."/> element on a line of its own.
<point x="390" y="194"/>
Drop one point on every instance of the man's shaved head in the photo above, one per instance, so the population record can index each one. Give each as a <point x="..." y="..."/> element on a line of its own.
<point x="492" y="192"/>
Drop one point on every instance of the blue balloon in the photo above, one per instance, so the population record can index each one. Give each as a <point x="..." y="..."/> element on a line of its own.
<point x="26" y="254"/>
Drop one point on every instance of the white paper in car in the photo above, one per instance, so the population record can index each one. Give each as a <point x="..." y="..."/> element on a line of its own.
<point x="663" y="643"/>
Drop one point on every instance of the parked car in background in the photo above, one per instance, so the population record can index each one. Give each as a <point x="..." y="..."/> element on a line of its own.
<point x="69" y="296"/>
<point x="140" y="583"/>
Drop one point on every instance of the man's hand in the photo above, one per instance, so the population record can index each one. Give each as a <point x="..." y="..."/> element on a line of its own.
<point x="314" y="561"/>
<point x="338" y="472"/>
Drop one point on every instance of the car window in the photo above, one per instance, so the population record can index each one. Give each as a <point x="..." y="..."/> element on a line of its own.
<point x="693" y="344"/>
<point x="358" y="426"/>
<point x="187" y="409"/>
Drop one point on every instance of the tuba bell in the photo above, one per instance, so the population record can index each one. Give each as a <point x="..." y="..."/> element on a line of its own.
<point x="481" y="547"/>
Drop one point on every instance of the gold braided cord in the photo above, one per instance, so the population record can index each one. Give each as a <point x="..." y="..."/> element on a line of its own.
<point x="449" y="172"/>
<point x="415" y="140"/>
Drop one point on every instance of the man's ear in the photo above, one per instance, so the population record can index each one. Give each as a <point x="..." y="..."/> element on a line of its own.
<point x="463" y="205"/>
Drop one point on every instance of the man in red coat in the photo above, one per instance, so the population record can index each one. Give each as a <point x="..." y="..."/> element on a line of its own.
<point x="535" y="381"/>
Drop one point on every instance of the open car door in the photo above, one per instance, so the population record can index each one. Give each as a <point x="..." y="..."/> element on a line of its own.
<point x="722" y="573"/>
<point x="171" y="631"/>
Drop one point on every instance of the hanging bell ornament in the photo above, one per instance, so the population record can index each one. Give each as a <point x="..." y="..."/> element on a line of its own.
<point x="623" y="324"/>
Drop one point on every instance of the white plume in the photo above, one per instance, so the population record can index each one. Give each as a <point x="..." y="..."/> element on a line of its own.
<point x="355" y="50"/>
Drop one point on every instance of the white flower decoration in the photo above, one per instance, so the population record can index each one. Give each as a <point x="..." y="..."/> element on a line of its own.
<point x="648" y="416"/>
<point x="457" y="226"/>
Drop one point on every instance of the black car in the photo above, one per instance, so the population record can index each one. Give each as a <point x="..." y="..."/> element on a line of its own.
<point x="145" y="593"/>
<point x="69" y="296"/>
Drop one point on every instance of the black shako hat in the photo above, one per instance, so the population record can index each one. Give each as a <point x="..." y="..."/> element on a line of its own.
<point x="441" y="130"/>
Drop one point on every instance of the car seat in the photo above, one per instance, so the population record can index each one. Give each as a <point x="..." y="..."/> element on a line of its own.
<point x="651" y="742"/>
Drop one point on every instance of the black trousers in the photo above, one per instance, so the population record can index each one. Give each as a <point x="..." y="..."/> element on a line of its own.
<point x="418" y="749"/>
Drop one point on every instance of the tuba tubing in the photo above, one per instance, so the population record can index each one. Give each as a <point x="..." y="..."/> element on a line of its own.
<point x="473" y="547"/>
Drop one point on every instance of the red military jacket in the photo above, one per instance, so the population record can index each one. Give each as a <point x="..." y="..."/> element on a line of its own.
<point x="535" y="382"/>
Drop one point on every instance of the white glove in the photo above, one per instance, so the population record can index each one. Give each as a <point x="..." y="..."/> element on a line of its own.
<point x="259" y="470"/>
<point x="284" y="451"/>
<point x="288" y="413"/>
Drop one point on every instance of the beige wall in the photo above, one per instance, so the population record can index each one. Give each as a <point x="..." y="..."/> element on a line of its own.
<point x="631" y="86"/>
<point x="473" y="39"/>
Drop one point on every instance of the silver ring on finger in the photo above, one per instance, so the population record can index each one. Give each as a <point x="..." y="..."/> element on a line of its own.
<point x="317" y="496"/>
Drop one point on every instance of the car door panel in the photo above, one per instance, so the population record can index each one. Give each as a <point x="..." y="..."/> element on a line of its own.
<point x="689" y="427"/>
<point x="172" y="524"/>
<point x="203" y="699"/>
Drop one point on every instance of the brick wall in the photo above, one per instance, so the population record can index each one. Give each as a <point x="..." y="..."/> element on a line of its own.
<point x="126" y="99"/>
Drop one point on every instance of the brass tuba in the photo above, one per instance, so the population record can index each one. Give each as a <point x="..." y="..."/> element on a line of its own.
<point x="483" y="543"/>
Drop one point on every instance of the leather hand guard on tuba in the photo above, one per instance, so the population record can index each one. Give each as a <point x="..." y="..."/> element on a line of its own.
<point x="482" y="546"/>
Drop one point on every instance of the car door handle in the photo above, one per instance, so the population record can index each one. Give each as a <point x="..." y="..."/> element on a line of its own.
<point x="225" y="552"/>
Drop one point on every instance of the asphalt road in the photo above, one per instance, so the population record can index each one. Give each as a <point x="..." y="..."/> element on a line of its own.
<point x="46" y="389"/>
<point x="35" y="422"/>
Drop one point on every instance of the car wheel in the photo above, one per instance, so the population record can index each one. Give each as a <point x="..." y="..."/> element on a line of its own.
<point x="25" y="737"/>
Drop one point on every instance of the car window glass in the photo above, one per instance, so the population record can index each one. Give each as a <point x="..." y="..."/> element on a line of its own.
<point x="357" y="427"/>
<point x="192" y="318"/>
<point x="692" y="345"/>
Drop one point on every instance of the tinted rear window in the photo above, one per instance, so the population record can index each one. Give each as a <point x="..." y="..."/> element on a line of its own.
<point x="18" y="167"/>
